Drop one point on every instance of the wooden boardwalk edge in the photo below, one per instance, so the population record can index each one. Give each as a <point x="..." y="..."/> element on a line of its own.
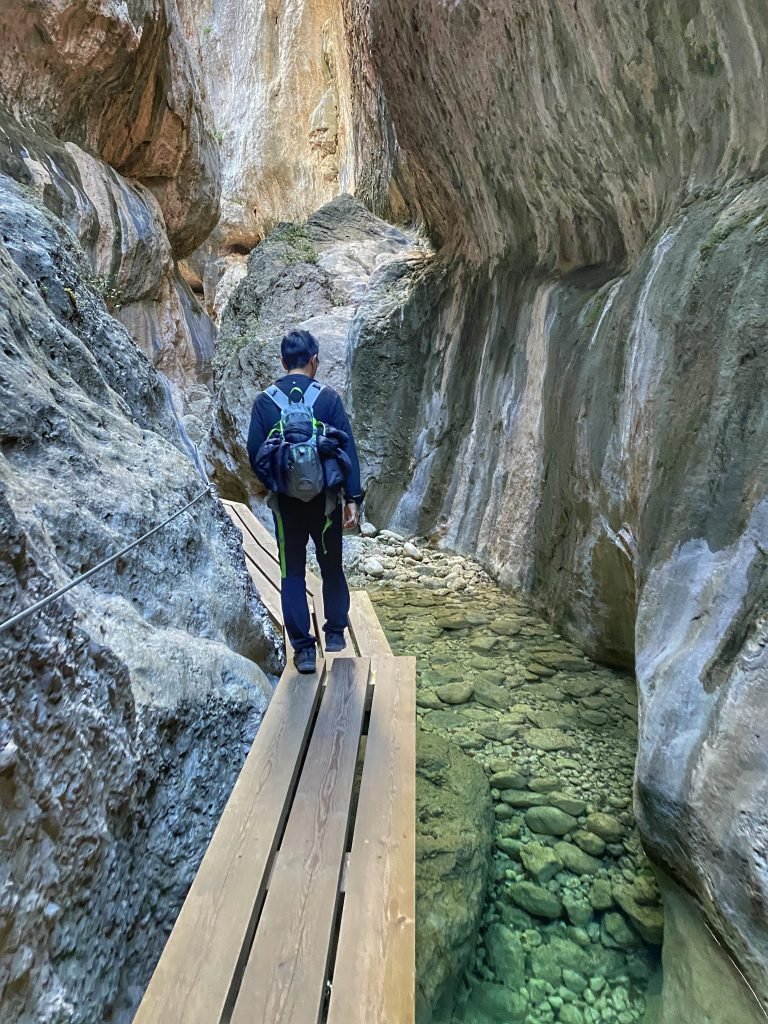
<point x="302" y="910"/>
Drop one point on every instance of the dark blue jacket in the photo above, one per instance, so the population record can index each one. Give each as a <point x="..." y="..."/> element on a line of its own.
<point x="328" y="409"/>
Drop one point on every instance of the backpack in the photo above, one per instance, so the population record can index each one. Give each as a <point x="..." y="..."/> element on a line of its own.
<point x="298" y="431"/>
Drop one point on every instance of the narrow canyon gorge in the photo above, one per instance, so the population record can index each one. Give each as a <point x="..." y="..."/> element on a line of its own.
<point x="532" y="241"/>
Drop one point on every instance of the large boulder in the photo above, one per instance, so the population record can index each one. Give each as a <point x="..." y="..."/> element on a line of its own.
<point x="454" y="830"/>
<point x="127" y="706"/>
<point x="346" y="276"/>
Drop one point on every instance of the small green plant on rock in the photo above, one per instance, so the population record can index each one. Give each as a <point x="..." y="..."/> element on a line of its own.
<point x="105" y="285"/>
<point x="298" y="245"/>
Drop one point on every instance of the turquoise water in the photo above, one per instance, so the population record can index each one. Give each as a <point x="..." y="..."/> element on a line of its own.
<point x="571" y="922"/>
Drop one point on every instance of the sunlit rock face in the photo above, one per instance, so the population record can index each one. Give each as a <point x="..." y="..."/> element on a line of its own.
<point x="279" y="85"/>
<point x="122" y="81"/>
<point x="104" y="115"/>
<point x="127" y="706"/>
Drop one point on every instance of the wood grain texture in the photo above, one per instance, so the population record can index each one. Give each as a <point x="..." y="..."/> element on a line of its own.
<point x="369" y="637"/>
<point x="192" y="981"/>
<point x="260" y="546"/>
<point x="285" y="976"/>
<point x="373" y="980"/>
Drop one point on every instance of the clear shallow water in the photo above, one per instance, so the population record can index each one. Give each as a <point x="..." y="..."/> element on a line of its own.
<point x="572" y="922"/>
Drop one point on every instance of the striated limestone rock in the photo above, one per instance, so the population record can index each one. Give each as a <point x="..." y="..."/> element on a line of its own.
<point x="629" y="430"/>
<point x="124" y="83"/>
<point x="592" y="421"/>
<point x="127" y="706"/>
<point x="279" y="85"/>
<point x="120" y="226"/>
<point x="559" y="135"/>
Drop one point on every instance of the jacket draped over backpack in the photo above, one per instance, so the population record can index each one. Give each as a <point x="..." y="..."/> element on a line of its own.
<point x="301" y="456"/>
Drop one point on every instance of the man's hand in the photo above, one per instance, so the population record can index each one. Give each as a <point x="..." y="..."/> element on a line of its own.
<point x="351" y="515"/>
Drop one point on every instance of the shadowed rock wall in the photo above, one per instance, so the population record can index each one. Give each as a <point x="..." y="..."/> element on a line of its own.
<point x="561" y="134"/>
<point x="127" y="706"/>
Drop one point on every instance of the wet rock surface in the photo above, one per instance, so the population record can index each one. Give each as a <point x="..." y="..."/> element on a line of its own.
<point x="454" y="816"/>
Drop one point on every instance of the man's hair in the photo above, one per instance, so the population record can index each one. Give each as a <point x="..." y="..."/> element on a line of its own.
<point x="297" y="348"/>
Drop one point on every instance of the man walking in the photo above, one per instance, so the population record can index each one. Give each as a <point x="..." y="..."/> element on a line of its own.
<point x="320" y="517"/>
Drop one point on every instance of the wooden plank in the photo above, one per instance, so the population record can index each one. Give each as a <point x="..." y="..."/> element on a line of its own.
<point x="260" y="534"/>
<point x="267" y="542"/>
<point x="201" y="961"/>
<point x="257" y="541"/>
<point x="368" y="634"/>
<point x="373" y="978"/>
<point x="285" y="976"/>
<point x="268" y="563"/>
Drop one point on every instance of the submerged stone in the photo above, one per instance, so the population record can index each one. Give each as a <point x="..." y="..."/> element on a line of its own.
<point x="545" y="784"/>
<point x="589" y="842"/>
<point x="570" y="804"/>
<point x="615" y="930"/>
<point x="505" y="955"/>
<point x="505" y="627"/>
<point x="536" y="900"/>
<point x="540" y="861"/>
<point x="578" y="910"/>
<point x="523" y="799"/>
<point x="647" y="920"/>
<point x="453" y="857"/>
<point x="428" y="699"/>
<point x="507" y="780"/>
<point x="606" y="826"/>
<point x="549" y="821"/>
<point x="576" y="860"/>
<point x="455" y="693"/>
<point x="550" y="740"/>
<point x="497" y="1003"/>
<point x="492" y="696"/>
<point x="601" y="894"/>
<point x="483" y="644"/>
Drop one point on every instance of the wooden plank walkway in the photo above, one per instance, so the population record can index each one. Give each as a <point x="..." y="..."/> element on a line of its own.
<point x="302" y="910"/>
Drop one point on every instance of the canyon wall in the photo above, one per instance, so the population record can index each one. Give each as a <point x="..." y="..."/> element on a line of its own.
<point x="278" y="80"/>
<point x="105" y="117"/>
<point x="570" y="385"/>
<point x="126" y="707"/>
<point x="594" y="176"/>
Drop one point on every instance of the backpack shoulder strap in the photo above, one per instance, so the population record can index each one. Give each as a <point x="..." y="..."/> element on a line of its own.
<point x="277" y="397"/>
<point x="312" y="393"/>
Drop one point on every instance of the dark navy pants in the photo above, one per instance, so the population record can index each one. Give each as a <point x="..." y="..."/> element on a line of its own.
<point x="295" y="522"/>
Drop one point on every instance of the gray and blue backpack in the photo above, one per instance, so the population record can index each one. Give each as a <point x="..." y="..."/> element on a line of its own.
<point x="303" y="476"/>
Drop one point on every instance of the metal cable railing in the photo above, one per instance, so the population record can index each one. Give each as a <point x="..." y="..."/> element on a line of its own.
<point x="26" y="612"/>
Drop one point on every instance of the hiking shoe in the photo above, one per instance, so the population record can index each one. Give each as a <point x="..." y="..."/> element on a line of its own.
<point x="334" y="642"/>
<point x="305" y="660"/>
